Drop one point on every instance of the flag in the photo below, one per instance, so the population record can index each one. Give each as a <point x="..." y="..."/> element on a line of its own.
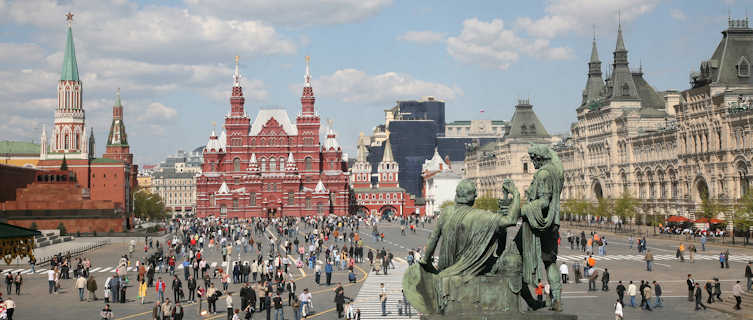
<point x="482" y="110"/>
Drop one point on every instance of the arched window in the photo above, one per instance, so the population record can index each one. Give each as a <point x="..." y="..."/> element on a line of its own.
<point x="67" y="141"/>
<point x="625" y="89"/>
<point x="282" y="163"/>
<point x="236" y="164"/>
<point x="743" y="67"/>
<point x="272" y="164"/>
<point x="263" y="164"/>
<point x="308" y="203"/>
<point x="307" y="163"/>
<point x="252" y="200"/>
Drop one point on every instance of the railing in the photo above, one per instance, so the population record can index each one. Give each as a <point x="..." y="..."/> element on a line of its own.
<point x="88" y="247"/>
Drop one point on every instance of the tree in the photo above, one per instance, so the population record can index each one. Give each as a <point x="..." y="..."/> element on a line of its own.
<point x="148" y="205"/>
<point x="742" y="215"/>
<point x="710" y="208"/>
<point x="603" y="208"/>
<point x="486" y="202"/>
<point x="626" y="207"/>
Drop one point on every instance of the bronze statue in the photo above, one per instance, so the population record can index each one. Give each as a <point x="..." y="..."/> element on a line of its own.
<point x="477" y="272"/>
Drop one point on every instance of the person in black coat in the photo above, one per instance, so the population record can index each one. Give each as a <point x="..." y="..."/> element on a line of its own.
<point x="605" y="280"/>
<point x="340" y="300"/>
<point x="699" y="298"/>
<point x="710" y="291"/>
<point x="191" y="288"/>
<point x="177" y="287"/>
<point x="620" y="292"/>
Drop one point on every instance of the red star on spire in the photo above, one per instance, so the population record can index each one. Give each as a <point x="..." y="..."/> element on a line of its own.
<point x="69" y="17"/>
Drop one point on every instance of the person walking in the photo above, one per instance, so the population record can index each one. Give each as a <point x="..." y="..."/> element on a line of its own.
<point x="81" y="286"/>
<point x="229" y="305"/>
<point x="563" y="272"/>
<point x="718" y="289"/>
<point x="699" y="298"/>
<point x="605" y="280"/>
<point x="328" y="272"/>
<point x="91" y="286"/>
<point x="691" y="287"/>
<point x="621" y="291"/>
<point x="618" y="310"/>
<point x="18" y="280"/>
<point x="277" y="303"/>
<point x="10" y="307"/>
<point x="383" y="298"/>
<point x="749" y="275"/>
<point x="710" y="291"/>
<point x="191" y="288"/>
<point x="632" y="292"/>
<point x="657" y="293"/>
<point x="737" y="291"/>
<point x="142" y="290"/>
<point x="647" y="296"/>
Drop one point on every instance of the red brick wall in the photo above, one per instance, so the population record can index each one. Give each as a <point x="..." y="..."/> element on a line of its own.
<point x="12" y="178"/>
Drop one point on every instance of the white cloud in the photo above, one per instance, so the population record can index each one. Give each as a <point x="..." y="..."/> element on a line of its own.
<point x="356" y="86"/>
<point x="490" y="44"/>
<point x="422" y="37"/>
<point x="563" y="16"/>
<point x="16" y="53"/>
<point x="677" y="14"/>
<point x="292" y="12"/>
<point x="157" y="112"/>
<point x="154" y="33"/>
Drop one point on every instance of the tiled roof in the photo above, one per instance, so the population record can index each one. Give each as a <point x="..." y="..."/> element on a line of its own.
<point x="19" y="147"/>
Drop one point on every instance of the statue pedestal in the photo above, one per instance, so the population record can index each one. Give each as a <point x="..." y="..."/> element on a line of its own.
<point x="480" y="295"/>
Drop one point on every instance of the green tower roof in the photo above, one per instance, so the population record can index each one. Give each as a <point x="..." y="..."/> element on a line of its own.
<point x="70" y="67"/>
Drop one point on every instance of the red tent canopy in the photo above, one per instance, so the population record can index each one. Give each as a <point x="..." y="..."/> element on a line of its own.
<point x="712" y="221"/>
<point x="677" y="219"/>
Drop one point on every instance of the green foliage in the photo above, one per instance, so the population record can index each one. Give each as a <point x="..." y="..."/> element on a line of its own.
<point x="446" y="204"/>
<point x="486" y="203"/>
<point x="148" y="205"/>
<point x="710" y="208"/>
<point x="34" y="226"/>
<point x="603" y="207"/>
<point x="61" y="227"/>
<point x="626" y="207"/>
<point x="743" y="212"/>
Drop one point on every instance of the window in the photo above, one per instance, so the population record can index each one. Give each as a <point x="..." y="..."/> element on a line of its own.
<point x="291" y="198"/>
<point x="236" y="180"/>
<point x="237" y="164"/>
<point x="252" y="200"/>
<point x="525" y="167"/>
<point x="263" y="164"/>
<point x="307" y="163"/>
<point x="212" y="201"/>
<point x="223" y="210"/>
<point x="308" y="203"/>
<point x="625" y="89"/>
<point x="272" y="164"/>
<point x="743" y="67"/>
<point x="282" y="164"/>
<point x="235" y="203"/>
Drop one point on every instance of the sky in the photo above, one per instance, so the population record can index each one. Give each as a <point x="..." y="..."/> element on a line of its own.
<point x="173" y="60"/>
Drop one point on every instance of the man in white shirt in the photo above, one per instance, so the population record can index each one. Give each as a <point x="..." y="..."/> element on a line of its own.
<point x="563" y="272"/>
<point x="229" y="305"/>
<point x="383" y="298"/>
<point x="51" y="279"/>
<point x="632" y="292"/>
<point x="305" y="299"/>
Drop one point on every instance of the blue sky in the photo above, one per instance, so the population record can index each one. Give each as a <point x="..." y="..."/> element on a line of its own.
<point x="173" y="60"/>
